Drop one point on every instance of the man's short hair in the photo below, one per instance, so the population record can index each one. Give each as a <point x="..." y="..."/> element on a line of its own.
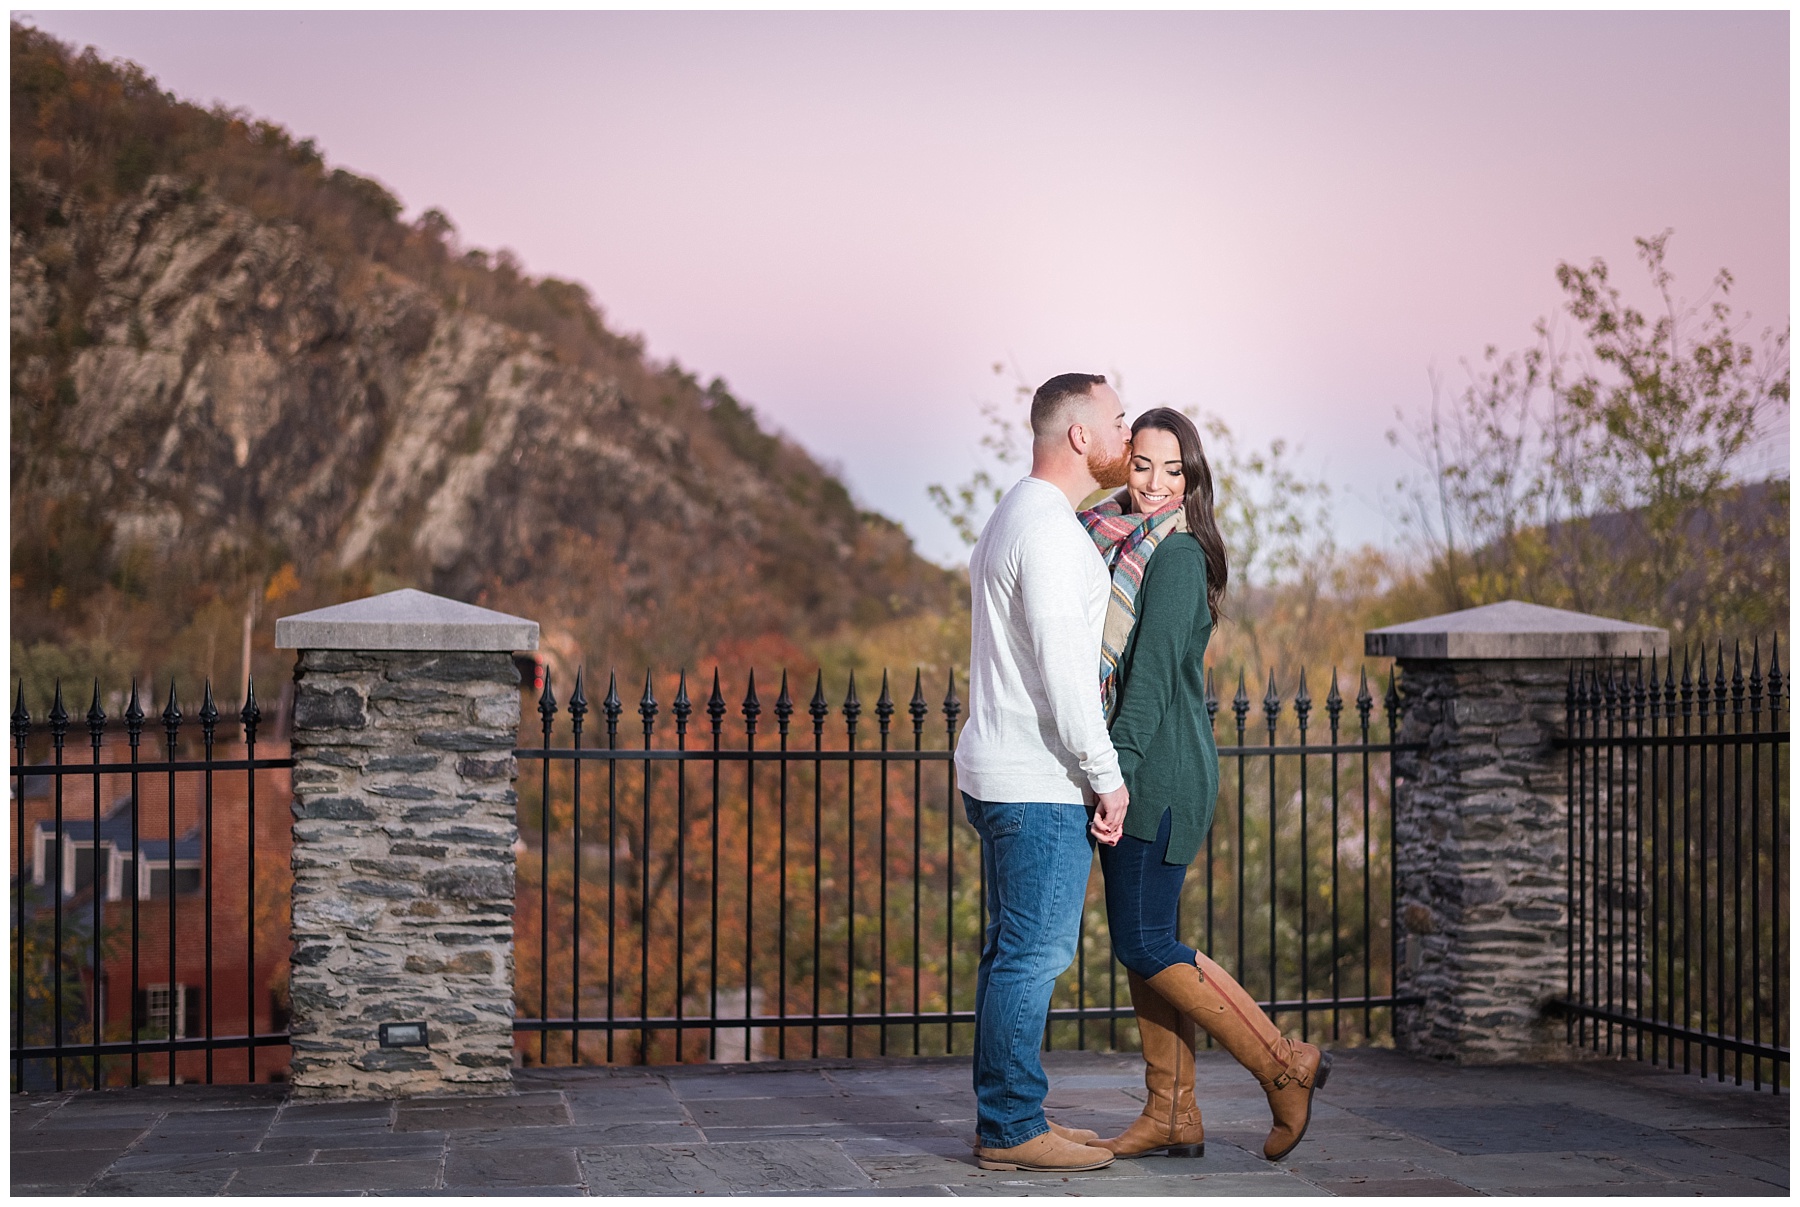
<point x="1053" y="400"/>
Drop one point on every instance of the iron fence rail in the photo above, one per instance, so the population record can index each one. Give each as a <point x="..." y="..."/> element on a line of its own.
<point x="60" y="958"/>
<point x="771" y="904"/>
<point x="1678" y="821"/>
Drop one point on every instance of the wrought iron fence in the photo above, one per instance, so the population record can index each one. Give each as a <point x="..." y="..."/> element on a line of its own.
<point x="784" y="891"/>
<point x="1678" y="821"/>
<point x="136" y="886"/>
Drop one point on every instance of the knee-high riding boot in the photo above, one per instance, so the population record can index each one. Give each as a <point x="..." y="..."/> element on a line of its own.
<point x="1170" y="1124"/>
<point x="1289" y="1071"/>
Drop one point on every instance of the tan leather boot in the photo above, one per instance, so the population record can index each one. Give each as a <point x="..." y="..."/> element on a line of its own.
<point x="1288" y="1071"/>
<point x="1170" y="1124"/>
<point x="1045" y="1152"/>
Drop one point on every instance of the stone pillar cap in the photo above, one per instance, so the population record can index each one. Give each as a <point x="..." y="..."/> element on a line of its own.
<point x="1515" y="629"/>
<point x="405" y="620"/>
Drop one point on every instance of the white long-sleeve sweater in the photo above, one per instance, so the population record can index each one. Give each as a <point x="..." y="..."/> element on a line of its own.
<point x="1036" y="728"/>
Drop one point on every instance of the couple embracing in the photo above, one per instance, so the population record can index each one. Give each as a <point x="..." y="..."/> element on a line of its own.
<point x="1128" y="588"/>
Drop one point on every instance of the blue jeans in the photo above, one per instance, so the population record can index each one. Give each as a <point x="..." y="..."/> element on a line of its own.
<point x="1141" y="895"/>
<point x="1035" y="857"/>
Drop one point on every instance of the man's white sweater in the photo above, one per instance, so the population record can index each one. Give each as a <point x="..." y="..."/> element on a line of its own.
<point x="1036" y="728"/>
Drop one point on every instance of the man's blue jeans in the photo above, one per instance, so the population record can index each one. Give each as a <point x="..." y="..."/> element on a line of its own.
<point x="1036" y="857"/>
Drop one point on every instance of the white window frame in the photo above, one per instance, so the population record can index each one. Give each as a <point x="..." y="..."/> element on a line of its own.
<point x="115" y="862"/>
<point x="176" y="1001"/>
<point x="161" y="865"/>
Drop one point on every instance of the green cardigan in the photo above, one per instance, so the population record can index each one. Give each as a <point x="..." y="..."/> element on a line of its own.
<point x="1160" y="728"/>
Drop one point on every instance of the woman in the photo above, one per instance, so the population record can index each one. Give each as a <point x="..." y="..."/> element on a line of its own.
<point x="1162" y="543"/>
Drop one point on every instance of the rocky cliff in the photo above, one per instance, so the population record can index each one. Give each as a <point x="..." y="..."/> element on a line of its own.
<point x="207" y="389"/>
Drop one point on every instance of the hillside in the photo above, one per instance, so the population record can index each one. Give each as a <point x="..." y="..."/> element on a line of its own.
<point x="241" y="386"/>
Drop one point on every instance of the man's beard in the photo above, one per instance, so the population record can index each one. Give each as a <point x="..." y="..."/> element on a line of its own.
<point x="1110" y="474"/>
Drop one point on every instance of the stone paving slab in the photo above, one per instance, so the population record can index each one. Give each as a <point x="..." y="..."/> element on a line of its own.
<point x="1387" y="1125"/>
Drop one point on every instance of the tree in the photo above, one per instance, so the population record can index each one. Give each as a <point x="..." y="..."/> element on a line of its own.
<point x="1604" y="476"/>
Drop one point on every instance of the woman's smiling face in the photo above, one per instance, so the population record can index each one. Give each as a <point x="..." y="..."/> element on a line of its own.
<point x="1155" y="470"/>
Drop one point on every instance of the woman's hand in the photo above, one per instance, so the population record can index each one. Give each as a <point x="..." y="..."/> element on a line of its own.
<point x="1109" y="815"/>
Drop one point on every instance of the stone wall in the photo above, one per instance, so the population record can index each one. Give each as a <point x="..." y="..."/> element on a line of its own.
<point x="1481" y="851"/>
<point x="404" y="823"/>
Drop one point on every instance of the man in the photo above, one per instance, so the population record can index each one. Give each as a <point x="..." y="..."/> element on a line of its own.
<point x="1035" y="751"/>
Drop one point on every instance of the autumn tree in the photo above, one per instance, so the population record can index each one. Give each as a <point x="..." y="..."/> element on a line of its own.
<point x="1599" y="469"/>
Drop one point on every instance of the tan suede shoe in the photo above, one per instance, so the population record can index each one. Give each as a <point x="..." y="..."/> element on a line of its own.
<point x="1078" y="1135"/>
<point x="1075" y="1135"/>
<point x="1046" y="1152"/>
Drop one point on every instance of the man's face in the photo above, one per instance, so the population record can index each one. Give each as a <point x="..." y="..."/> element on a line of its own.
<point x="1109" y="438"/>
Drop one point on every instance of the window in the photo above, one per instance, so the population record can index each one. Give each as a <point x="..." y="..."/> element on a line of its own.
<point x="79" y="863"/>
<point x="83" y="871"/>
<point x="187" y="880"/>
<point x="154" y="1011"/>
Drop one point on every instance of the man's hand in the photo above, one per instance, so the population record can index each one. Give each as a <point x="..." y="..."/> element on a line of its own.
<point x="1109" y="815"/>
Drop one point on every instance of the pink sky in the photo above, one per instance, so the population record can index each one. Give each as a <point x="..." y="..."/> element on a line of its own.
<point x="1283" y="218"/>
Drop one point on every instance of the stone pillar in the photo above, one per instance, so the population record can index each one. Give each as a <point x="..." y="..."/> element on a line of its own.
<point x="1480" y="822"/>
<point x="406" y="711"/>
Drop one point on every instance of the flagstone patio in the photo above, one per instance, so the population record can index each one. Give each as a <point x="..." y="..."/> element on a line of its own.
<point x="1385" y="1125"/>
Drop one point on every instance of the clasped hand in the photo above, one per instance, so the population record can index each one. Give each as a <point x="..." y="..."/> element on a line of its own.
<point x="1109" y="815"/>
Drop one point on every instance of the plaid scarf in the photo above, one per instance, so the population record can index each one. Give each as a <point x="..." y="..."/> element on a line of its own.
<point x="1126" y="540"/>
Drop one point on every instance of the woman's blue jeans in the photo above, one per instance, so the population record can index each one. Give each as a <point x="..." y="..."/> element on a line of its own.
<point x="1142" y="893"/>
<point x="1036" y="857"/>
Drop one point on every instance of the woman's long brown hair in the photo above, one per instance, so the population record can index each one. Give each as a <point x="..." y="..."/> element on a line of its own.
<point x="1197" y="483"/>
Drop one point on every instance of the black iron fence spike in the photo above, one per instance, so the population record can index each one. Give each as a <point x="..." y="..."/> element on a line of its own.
<point x="171" y="714"/>
<point x="59" y="716"/>
<point x="1301" y="695"/>
<point x="1719" y="680"/>
<point x="852" y="702"/>
<point x="647" y="705"/>
<point x="1209" y="690"/>
<point x="1391" y="701"/>
<point x="952" y="704"/>
<point x="819" y="707"/>
<point x="1756" y="679"/>
<point x="1775" y="679"/>
<point x="134" y="711"/>
<point x="21" y="716"/>
<point x="578" y="704"/>
<point x="917" y="706"/>
<point x="546" y="704"/>
<point x="682" y="707"/>
<point x="1334" y="699"/>
<point x="251" y="715"/>
<point x="752" y="707"/>
<point x="784" y="701"/>
<point x="1737" y="668"/>
<point x="612" y="705"/>
<point x="1365" y="699"/>
<point x="715" y="703"/>
<point x="884" y="703"/>
<point x="209" y="711"/>
<point x="1240" y="703"/>
<point x="96" y="716"/>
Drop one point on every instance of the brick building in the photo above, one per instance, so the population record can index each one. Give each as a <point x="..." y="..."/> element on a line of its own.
<point x="193" y="862"/>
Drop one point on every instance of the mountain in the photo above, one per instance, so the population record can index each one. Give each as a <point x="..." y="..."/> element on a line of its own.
<point x="241" y="385"/>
